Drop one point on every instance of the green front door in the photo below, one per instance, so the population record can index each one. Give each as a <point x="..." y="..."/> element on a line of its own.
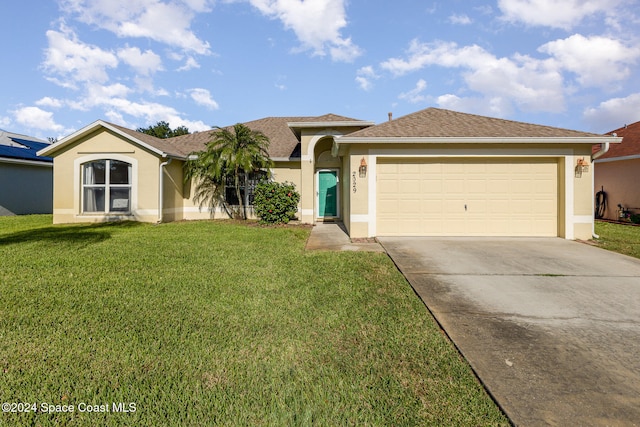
<point x="327" y="193"/>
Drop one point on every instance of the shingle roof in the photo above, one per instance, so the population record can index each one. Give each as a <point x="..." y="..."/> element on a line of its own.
<point x="436" y="122"/>
<point x="164" y="145"/>
<point x="21" y="147"/>
<point x="283" y="141"/>
<point x="630" y="145"/>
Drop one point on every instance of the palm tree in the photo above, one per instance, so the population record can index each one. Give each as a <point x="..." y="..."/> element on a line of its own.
<point x="233" y="153"/>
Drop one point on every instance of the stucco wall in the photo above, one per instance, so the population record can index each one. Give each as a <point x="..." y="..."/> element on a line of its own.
<point x="173" y="187"/>
<point x="282" y="171"/>
<point x="103" y="144"/>
<point x="25" y="189"/>
<point x="620" y="182"/>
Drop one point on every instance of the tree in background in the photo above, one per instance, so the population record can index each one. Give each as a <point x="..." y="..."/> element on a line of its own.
<point x="163" y="130"/>
<point x="233" y="155"/>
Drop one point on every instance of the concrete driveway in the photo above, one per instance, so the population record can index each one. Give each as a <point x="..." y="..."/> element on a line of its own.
<point x="550" y="326"/>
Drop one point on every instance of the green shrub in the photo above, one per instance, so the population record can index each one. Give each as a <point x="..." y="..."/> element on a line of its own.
<point x="635" y="218"/>
<point x="275" y="202"/>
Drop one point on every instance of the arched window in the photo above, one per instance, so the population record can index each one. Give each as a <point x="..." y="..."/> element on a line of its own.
<point x="106" y="186"/>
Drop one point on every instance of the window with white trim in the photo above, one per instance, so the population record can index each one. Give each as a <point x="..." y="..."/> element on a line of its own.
<point x="248" y="182"/>
<point x="106" y="186"/>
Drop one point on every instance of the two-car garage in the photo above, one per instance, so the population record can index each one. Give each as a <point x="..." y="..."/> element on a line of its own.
<point x="467" y="196"/>
<point x="444" y="173"/>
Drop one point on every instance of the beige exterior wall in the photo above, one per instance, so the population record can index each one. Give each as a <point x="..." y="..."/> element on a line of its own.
<point x="313" y="142"/>
<point x="620" y="181"/>
<point x="103" y="144"/>
<point x="357" y="194"/>
<point x="282" y="171"/>
<point x="173" y="191"/>
<point x="575" y="219"/>
<point x="347" y="182"/>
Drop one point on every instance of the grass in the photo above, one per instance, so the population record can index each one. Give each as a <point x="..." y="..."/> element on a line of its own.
<point x="624" y="239"/>
<point x="213" y="323"/>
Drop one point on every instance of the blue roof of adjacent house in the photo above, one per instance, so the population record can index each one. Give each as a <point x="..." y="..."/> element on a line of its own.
<point x="21" y="147"/>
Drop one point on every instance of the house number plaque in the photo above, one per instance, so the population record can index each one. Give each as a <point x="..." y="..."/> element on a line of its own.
<point x="354" y="183"/>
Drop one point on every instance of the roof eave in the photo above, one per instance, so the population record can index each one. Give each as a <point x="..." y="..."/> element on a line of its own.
<point x="479" y="140"/>
<point x="44" y="163"/>
<point x="90" y="128"/>
<point x="286" y="159"/>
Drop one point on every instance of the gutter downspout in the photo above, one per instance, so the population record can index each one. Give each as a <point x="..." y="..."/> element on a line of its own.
<point x="603" y="149"/>
<point x="161" y="192"/>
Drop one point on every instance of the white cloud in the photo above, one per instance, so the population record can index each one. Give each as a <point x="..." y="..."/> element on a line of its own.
<point x="493" y="106"/>
<point x="5" y="121"/>
<point x="149" y="112"/>
<point x="564" y="14"/>
<point x="614" y="113"/>
<point x="415" y="95"/>
<point x="203" y="97"/>
<point x="316" y="23"/>
<point x="37" y="118"/>
<point x="164" y="22"/>
<point x="189" y="64"/>
<point x="445" y="54"/>
<point x="531" y="84"/>
<point x="364" y="77"/>
<point x="49" y="102"/>
<point x="460" y="19"/>
<point x="74" y="60"/>
<point x="598" y="61"/>
<point x="144" y="63"/>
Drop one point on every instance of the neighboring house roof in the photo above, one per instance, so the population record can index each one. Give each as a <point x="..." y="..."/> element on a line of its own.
<point x="21" y="148"/>
<point x="437" y="123"/>
<point x="630" y="146"/>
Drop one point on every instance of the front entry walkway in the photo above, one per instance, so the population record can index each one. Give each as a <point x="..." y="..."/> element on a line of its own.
<point x="332" y="236"/>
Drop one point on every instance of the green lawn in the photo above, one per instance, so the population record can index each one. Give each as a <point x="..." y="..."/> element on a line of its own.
<point x="621" y="238"/>
<point x="213" y="323"/>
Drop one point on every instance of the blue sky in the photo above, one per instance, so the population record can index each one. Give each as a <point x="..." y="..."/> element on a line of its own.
<point x="204" y="63"/>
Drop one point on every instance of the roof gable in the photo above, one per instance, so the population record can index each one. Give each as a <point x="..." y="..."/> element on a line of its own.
<point x="440" y="123"/>
<point x="156" y="145"/>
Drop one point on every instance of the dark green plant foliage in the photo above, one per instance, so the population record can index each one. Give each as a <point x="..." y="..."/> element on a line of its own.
<point x="230" y="153"/>
<point x="163" y="130"/>
<point x="275" y="202"/>
<point x="635" y="218"/>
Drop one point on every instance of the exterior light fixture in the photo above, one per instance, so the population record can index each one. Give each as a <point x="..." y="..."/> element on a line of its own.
<point x="582" y="166"/>
<point x="363" y="168"/>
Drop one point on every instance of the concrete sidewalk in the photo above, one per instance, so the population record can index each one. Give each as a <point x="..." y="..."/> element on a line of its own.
<point x="332" y="236"/>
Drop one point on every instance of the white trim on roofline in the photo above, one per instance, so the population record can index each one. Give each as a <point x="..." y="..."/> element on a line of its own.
<point x="44" y="163"/>
<point x="616" y="159"/>
<point x="90" y="128"/>
<point x="286" y="159"/>
<point x="479" y="140"/>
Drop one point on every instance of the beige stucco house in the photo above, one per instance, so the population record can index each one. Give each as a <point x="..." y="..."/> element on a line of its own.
<point x="617" y="172"/>
<point x="435" y="172"/>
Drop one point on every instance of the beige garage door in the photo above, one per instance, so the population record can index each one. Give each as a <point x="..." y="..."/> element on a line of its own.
<point x="467" y="197"/>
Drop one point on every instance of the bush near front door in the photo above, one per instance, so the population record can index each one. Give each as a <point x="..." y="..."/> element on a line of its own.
<point x="275" y="202"/>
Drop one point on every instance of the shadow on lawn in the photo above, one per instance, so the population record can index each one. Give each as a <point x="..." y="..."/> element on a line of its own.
<point x="78" y="235"/>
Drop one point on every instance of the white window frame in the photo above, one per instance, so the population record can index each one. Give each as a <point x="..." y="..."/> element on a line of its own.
<point x="108" y="187"/>
<point x="78" y="184"/>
